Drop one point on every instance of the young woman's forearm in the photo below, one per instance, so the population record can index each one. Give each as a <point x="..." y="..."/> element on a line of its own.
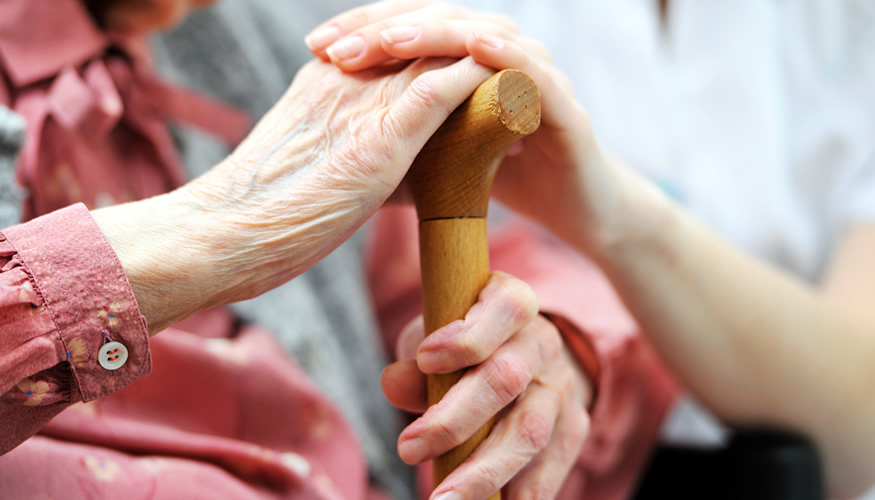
<point x="755" y="344"/>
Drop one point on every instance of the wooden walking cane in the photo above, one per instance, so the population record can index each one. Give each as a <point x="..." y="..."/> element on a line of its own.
<point x="450" y="181"/>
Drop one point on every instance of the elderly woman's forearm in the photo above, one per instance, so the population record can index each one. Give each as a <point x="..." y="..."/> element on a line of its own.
<point x="170" y="253"/>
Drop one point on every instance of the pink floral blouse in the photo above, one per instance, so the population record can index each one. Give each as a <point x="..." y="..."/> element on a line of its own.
<point x="91" y="407"/>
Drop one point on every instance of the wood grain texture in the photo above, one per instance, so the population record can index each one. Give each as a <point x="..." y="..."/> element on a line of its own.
<point x="453" y="174"/>
<point x="450" y="182"/>
<point x="454" y="256"/>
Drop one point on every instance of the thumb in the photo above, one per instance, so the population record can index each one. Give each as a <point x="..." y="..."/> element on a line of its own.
<point x="404" y="386"/>
<point x="428" y="100"/>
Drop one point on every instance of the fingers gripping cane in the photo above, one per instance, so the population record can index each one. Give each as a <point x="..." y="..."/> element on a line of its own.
<point x="450" y="182"/>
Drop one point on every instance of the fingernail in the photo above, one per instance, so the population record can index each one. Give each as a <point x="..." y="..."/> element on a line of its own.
<point x="490" y="41"/>
<point x="413" y="450"/>
<point x="400" y="34"/>
<point x="448" y="495"/>
<point x="348" y="48"/>
<point x="322" y="37"/>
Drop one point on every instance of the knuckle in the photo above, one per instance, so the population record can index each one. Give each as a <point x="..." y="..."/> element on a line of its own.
<point x="575" y="437"/>
<point x="536" y="427"/>
<point x="428" y="94"/>
<point x="507" y="377"/>
<point x="519" y="299"/>
<point x="550" y="341"/>
<point x="447" y="432"/>
<point x="470" y="350"/>
<point x="489" y="476"/>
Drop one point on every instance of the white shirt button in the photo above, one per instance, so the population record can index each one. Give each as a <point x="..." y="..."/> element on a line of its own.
<point x="112" y="355"/>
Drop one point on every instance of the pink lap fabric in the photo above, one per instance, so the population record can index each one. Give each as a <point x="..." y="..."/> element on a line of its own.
<point x="223" y="412"/>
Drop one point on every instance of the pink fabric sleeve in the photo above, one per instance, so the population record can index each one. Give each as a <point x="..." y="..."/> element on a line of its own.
<point x="63" y="294"/>
<point x="634" y="390"/>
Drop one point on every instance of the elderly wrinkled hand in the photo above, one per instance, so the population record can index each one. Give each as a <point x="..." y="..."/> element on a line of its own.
<point x="520" y="370"/>
<point x="313" y="170"/>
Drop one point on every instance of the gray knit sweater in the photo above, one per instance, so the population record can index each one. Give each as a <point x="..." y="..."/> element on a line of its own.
<point x="11" y="141"/>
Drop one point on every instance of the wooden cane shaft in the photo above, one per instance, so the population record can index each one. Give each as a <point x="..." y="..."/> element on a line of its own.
<point x="450" y="182"/>
<point x="455" y="268"/>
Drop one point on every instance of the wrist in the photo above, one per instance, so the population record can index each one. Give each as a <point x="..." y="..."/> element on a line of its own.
<point x="167" y="246"/>
<point x="641" y="217"/>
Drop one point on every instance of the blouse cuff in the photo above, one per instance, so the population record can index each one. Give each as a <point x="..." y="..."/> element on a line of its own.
<point x="83" y="286"/>
<point x="581" y="348"/>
